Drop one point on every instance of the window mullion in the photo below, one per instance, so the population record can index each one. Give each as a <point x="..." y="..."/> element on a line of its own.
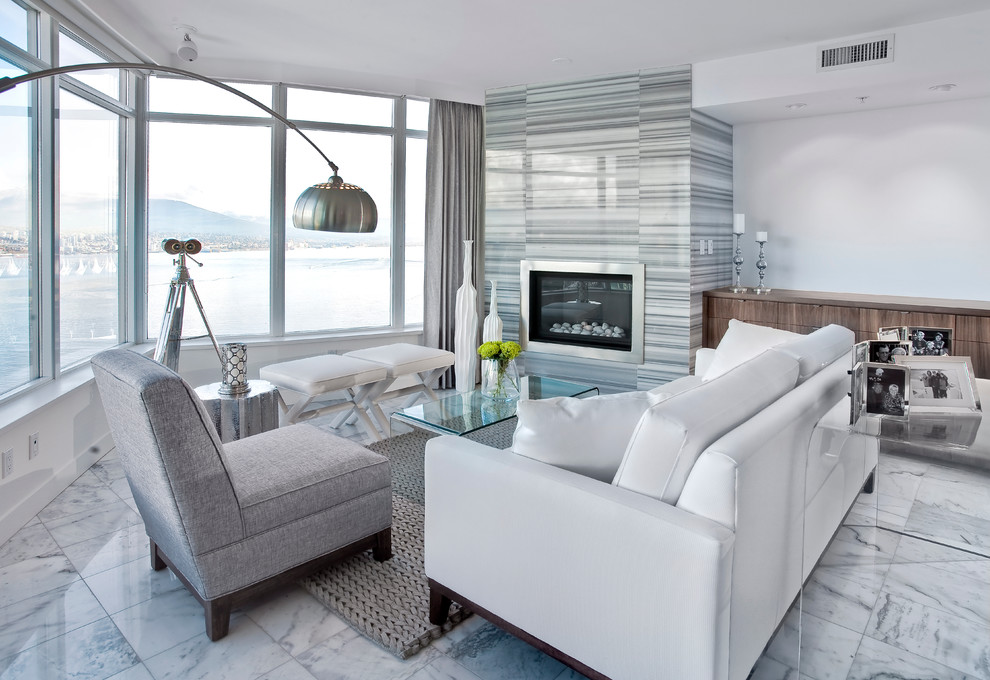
<point x="278" y="226"/>
<point x="399" y="215"/>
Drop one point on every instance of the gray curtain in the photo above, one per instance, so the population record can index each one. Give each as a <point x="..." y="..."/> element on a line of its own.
<point x="455" y="212"/>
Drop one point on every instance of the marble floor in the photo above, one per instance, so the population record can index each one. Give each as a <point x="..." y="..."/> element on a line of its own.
<point x="79" y="600"/>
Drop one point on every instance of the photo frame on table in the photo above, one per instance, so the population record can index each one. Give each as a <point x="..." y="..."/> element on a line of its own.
<point x="861" y="352"/>
<point x="942" y="381"/>
<point x="932" y="342"/>
<point x="857" y="392"/>
<point x="887" y="390"/>
<point x="884" y="351"/>
<point x="892" y="333"/>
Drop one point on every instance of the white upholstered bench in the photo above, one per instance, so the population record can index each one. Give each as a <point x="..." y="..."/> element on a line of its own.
<point x="363" y="376"/>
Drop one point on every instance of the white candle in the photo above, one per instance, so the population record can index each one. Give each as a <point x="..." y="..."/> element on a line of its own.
<point x="738" y="223"/>
<point x="761" y="236"/>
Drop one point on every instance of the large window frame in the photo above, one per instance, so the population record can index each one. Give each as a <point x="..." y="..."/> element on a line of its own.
<point x="132" y="105"/>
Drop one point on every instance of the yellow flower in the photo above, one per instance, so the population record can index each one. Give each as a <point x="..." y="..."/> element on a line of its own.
<point x="500" y="350"/>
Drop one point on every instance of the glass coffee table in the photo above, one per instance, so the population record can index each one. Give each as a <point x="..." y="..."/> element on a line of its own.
<point x="467" y="412"/>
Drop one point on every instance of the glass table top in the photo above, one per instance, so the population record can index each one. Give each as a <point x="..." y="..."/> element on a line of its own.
<point x="461" y="414"/>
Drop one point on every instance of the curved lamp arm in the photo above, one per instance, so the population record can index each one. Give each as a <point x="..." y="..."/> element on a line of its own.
<point x="330" y="206"/>
<point x="11" y="83"/>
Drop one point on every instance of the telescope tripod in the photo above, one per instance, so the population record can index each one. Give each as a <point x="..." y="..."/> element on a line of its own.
<point x="167" y="347"/>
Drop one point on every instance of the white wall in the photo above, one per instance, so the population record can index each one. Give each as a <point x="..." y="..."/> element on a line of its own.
<point x="893" y="201"/>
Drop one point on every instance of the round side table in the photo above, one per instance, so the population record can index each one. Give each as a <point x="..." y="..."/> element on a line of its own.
<point x="241" y="415"/>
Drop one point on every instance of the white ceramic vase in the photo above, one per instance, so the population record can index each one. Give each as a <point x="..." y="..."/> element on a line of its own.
<point x="466" y="327"/>
<point x="492" y="328"/>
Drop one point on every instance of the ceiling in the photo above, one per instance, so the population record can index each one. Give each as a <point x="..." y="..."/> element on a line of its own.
<point x="457" y="49"/>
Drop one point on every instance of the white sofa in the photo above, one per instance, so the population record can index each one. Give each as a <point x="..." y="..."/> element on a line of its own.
<point x="723" y="496"/>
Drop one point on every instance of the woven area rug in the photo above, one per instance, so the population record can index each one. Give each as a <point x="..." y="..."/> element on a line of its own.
<point x="388" y="602"/>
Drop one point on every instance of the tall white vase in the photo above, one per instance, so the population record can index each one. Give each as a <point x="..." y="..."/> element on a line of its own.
<point x="492" y="328"/>
<point x="466" y="328"/>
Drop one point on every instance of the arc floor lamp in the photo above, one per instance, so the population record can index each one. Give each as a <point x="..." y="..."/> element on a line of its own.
<point x="333" y="205"/>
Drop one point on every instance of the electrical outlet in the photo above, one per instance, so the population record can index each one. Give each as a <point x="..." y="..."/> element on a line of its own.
<point x="711" y="246"/>
<point x="33" y="445"/>
<point x="8" y="462"/>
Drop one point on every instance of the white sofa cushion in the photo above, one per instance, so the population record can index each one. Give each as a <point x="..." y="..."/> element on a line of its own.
<point x="742" y="342"/>
<point x="586" y="436"/>
<point x="817" y="350"/>
<point x="672" y="434"/>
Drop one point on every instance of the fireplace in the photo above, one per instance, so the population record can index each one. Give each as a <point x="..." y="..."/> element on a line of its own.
<point x="586" y="309"/>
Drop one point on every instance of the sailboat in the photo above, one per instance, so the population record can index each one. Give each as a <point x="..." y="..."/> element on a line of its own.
<point x="81" y="269"/>
<point x="12" y="269"/>
<point x="66" y="269"/>
<point x="95" y="267"/>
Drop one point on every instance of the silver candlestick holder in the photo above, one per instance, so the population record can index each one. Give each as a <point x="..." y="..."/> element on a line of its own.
<point x="738" y="261"/>
<point x="761" y="264"/>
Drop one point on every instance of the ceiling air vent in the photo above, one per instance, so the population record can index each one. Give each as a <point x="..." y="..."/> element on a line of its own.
<point x="860" y="53"/>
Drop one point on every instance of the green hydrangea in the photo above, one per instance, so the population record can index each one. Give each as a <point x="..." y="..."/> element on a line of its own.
<point x="500" y="350"/>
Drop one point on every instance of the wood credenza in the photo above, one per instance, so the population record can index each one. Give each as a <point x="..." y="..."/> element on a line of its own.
<point x="804" y="311"/>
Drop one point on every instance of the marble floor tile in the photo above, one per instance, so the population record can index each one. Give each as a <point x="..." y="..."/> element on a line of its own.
<point x="162" y="622"/>
<point x="956" y="496"/>
<point x="93" y="652"/>
<point x="139" y="672"/>
<point x="900" y="476"/>
<point x="130" y="584"/>
<point x="916" y="549"/>
<point x="87" y="494"/>
<point x="492" y="654"/>
<point x="826" y="649"/>
<point x="831" y="597"/>
<point x="959" y="473"/>
<point x="876" y="660"/>
<point x="122" y="489"/>
<point x="350" y="655"/>
<point x="445" y="668"/>
<point x="932" y="634"/>
<point x="294" y="619"/>
<point x="929" y="585"/>
<point x="47" y="615"/>
<point x="109" y="550"/>
<point x="465" y="629"/>
<point x="80" y="527"/>
<point x="770" y="669"/>
<point x="33" y="540"/>
<point x="33" y="576"/>
<point x="108" y="469"/>
<point x="246" y="653"/>
<point x="292" y="670"/>
<point x="860" y="546"/>
<point x="951" y="528"/>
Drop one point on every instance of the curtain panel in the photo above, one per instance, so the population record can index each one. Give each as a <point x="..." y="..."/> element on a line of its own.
<point x="455" y="212"/>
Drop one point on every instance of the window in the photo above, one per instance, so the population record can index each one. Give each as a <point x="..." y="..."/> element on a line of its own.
<point x="415" y="228"/>
<point x="211" y="183"/>
<point x="14" y="24"/>
<point x="72" y="52"/>
<point x="88" y="201"/>
<point x="18" y="332"/>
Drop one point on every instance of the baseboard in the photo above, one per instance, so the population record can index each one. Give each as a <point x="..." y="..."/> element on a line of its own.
<point x="40" y="488"/>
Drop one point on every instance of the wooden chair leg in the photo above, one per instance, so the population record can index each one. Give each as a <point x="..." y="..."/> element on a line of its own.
<point x="157" y="563"/>
<point x="217" y="617"/>
<point x="439" y="607"/>
<point x="383" y="545"/>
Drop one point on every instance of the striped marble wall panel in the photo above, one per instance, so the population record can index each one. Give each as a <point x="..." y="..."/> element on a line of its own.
<point x="601" y="169"/>
<point x="711" y="211"/>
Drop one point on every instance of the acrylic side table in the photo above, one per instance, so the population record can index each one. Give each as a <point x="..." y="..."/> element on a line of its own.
<point x="241" y="415"/>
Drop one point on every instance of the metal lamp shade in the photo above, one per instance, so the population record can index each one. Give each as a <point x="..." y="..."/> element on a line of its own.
<point x="335" y="206"/>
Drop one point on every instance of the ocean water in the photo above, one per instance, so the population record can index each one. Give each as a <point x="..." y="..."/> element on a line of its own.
<point x="326" y="289"/>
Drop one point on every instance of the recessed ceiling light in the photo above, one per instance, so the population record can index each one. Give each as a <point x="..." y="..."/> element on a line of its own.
<point x="795" y="106"/>
<point x="561" y="60"/>
<point x="944" y="87"/>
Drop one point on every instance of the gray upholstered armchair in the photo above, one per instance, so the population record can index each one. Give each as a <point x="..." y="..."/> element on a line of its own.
<point x="234" y="519"/>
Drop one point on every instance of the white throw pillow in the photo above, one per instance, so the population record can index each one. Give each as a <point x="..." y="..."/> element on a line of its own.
<point x="742" y="342"/>
<point x="587" y="436"/>
<point x="671" y="435"/>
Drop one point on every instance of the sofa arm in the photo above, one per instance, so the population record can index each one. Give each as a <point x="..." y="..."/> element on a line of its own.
<point x="621" y="582"/>
<point x="702" y="360"/>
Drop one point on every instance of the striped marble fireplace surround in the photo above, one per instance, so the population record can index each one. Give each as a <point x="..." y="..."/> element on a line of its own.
<point x="615" y="168"/>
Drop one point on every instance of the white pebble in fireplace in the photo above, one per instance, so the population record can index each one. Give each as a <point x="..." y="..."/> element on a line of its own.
<point x="586" y="328"/>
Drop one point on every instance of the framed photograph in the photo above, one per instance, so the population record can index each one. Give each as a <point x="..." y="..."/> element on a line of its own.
<point x="947" y="382"/>
<point x="892" y="333"/>
<point x="861" y="353"/>
<point x="884" y="351"/>
<point x="887" y="389"/>
<point x="856" y="393"/>
<point x="930" y="342"/>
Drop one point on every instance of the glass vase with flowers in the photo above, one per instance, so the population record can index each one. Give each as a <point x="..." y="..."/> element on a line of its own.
<point x="499" y="376"/>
